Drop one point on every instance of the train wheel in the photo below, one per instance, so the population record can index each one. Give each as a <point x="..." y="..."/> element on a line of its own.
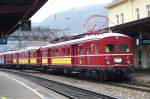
<point x="82" y="74"/>
<point x="105" y="76"/>
<point x="100" y="77"/>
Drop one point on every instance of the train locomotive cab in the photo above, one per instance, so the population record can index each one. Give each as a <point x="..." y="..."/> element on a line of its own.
<point x="105" y="54"/>
<point x="118" y="53"/>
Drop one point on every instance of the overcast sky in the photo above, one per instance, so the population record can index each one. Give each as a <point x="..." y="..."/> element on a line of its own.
<point x="56" y="6"/>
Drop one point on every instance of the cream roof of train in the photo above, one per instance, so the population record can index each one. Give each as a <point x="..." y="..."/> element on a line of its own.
<point x="86" y="38"/>
<point x="23" y="50"/>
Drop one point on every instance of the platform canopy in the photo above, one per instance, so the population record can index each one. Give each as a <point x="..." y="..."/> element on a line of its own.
<point x="12" y="12"/>
<point x="134" y="28"/>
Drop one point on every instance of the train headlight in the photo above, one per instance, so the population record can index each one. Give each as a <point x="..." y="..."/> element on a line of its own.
<point x="128" y="60"/>
<point x="107" y="60"/>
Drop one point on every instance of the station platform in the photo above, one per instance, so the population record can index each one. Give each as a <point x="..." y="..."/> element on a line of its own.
<point x="15" y="87"/>
<point x="141" y="75"/>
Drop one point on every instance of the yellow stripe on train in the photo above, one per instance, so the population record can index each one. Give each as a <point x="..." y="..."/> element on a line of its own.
<point x="23" y="61"/>
<point x="44" y="60"/>
<point x="33" y="61"/>
<point x="3" y="98"/>
<point x="66" y="61"/>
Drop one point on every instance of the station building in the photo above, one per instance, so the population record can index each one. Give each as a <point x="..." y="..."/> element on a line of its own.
<point x="132" y="17"/>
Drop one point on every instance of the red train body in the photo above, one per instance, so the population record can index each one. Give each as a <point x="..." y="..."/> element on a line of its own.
<point x="95" y="54"/>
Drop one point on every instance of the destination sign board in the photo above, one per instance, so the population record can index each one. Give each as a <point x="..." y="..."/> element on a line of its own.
<point x="146" y="41"/>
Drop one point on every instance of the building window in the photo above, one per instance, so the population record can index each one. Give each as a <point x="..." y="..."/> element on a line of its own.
<point x="148" y="10"/>
<point x="117" y="19"/>
<point x="122" y="18"/>
<point x="138" y="13"/>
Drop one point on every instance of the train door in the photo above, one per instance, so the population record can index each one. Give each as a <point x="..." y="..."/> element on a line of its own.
<point x="81" y="55"/>
<point x="88" y="53"/>
<point x="39" y="56"/>
<point x="49" y="55"/>
<point x="74" y="54"/>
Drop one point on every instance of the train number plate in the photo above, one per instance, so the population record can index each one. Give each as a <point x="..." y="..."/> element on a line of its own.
<point x="118" y="60"/>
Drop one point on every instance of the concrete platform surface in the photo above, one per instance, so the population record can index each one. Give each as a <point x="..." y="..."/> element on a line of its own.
<point x="14" y="87"/>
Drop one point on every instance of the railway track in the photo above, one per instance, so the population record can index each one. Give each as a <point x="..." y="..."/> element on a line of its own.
<point x="132" y="85"/>
<point x="68" y="91"/>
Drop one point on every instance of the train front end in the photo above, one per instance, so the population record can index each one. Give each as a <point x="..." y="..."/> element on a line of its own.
<point x="118" y="53"/>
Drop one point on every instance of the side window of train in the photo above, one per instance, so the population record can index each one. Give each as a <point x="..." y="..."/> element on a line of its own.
<point x="88" y="50"/>
<point x="69" y="51"/>
<point x="80" y="50"/>
<point x="92" y="49"/>
<point x="52" y="52"/>
<point x="45" y="52"/>
<point x="30" y="54"/>
<point x="110" y="48"/>
<point x="64" y="51"/>
<point x="96" y="49"/>
<point x="61" y="52"/>
<point x="57" y="52"/>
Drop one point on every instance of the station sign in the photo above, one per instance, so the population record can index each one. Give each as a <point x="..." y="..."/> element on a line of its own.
<point x="147" y="42"/>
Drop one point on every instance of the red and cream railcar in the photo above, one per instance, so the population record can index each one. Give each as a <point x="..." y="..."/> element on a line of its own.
<point x="105" y="50"/>
<point x="101" y="52"/>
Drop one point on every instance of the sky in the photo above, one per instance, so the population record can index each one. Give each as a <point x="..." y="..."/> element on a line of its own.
<point x="56" y="6"/>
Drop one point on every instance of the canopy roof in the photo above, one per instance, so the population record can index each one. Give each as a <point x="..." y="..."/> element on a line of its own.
<point x="134" y="28"/>
<point x="13" y="11"/>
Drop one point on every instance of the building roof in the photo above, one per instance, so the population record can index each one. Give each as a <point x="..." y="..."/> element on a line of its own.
<point x="115" y="3"/>
<point x="13" y="11"/>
